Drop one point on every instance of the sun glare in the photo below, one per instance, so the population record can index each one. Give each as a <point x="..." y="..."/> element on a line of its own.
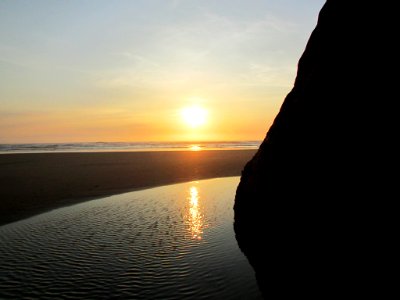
<point x="195" y="148"/>
<point x="194" y="116"/>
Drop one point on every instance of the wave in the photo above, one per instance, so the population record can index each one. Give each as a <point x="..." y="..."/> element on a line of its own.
<point x="126" y="146"/>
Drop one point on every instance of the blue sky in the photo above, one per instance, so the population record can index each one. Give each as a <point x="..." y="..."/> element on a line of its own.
<point x="121" y="70"/>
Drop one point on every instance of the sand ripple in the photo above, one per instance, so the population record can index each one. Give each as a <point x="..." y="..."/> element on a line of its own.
<point x="172" y="242"/>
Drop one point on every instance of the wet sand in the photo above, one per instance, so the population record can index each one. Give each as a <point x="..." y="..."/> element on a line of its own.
<point x="38" y="182"/>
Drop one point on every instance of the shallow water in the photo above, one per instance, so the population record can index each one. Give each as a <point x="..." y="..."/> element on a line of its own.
<point x="171" y="242"/>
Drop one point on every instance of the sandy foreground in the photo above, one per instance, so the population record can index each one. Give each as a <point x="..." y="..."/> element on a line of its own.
<point x="38" y="182"/>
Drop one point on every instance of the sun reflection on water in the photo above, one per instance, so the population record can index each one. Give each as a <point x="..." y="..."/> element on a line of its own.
<point x="195" y="148"/>
<point x="195" y="218"/>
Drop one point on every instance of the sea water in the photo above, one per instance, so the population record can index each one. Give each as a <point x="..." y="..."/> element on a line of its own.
<point x="126" y="146"/>
<point x="170" y="242"/>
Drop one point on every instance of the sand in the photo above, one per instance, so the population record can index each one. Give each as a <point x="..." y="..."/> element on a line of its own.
<point x="38" y="182"/>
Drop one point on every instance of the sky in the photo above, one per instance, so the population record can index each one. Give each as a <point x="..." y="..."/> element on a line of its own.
<point x="127" y="70"/>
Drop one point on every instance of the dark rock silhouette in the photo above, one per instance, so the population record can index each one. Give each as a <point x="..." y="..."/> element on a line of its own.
<point x="314" y="206"/>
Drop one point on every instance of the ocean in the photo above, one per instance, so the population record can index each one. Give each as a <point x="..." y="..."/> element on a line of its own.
<point x="126" y="146"/>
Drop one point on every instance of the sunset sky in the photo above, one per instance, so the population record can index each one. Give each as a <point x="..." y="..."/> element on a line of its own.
<point x="147" y="70"/>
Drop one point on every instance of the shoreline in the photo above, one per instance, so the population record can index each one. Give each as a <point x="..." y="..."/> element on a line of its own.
<point x="34" y="183"/>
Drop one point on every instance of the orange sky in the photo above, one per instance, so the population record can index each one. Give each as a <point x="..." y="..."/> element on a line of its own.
<point x="81" y="72"/>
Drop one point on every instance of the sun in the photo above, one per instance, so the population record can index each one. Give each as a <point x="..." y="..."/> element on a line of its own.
<point x="194" y="116"/>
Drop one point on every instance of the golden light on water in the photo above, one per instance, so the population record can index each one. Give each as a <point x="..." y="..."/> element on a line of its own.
<point x="195" y="148"/>
<point x="194" y="116"/>
<point x="195" y="218"/>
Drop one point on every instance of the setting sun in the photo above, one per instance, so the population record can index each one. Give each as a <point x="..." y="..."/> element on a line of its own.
<point x="194" y="116"/>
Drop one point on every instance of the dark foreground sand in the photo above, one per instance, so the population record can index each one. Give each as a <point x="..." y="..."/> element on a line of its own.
<point x="38" y="182"/>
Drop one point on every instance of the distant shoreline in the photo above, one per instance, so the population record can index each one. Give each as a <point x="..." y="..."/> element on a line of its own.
<point x="33" y="183"/>
<point x="126" y="146"/>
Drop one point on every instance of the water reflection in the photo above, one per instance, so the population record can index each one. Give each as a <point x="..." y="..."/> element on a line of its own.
<point x="135" y="245"/>
<point x="195" y="148"/>
<point x="195" y="217"/>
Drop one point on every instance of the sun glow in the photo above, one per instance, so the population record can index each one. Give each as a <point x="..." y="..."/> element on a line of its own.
<point x="195" y="148"/>
<point x="194" y="116"/>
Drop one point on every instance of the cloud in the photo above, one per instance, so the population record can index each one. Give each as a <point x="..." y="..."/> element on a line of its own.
<point x="209" y="49"/>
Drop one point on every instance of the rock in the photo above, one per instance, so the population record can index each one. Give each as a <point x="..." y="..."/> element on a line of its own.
<point x="314" y="206"/>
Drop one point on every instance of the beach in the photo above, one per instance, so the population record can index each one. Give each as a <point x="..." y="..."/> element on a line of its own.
<point x="33" y="183"/>
<point x="170" y="242"/>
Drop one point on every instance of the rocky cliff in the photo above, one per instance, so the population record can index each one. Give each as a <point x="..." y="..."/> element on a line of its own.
<point x="313" y="208"/>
